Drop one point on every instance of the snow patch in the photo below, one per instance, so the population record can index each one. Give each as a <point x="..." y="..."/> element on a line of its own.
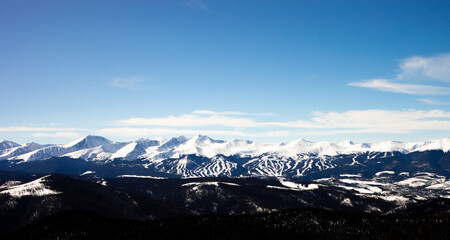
<point x="347" y="202"/>
<point x="298" y="186"/>
<point x="198" y="184"/>
<point x="33" y="188"/>
<point x="423" y="179"/>
<point x="367" y="190"/>
<point x="444" y="186"/>
<point x="352" y="181"/>
<point x="139" y="176"/>
<point x="395" y="198"/>
<point x="87" y="172"/>
<point x="9" y="184"/>
<point x="351" y="175"/>
<point x="384" y="172"/>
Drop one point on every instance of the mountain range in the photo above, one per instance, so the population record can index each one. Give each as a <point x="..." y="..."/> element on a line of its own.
<point x="201" y="156"/>
<point x="97" y="148"/>
<point x="394" y="171"/>
<point x="154" y="179"/>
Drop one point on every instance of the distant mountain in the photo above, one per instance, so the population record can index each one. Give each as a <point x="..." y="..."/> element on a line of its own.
<point x="201" y="156"/>
<point x="5" y="144"/>
<point x="97" y="148"/>
<point x="89" y="147"/>
<point x="146" y="179"/>
<point x="10" y="153"/>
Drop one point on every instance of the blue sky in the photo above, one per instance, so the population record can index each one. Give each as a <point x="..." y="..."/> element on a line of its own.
<point x="268" y="71"/>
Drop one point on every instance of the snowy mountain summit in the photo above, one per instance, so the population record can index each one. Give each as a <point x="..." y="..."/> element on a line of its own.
<point x="201" y="156"/>
<point x="99" y="148"/>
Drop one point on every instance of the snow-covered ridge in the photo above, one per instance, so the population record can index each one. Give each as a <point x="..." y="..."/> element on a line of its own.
<point x="5" y="144"/>
<point x="33" y="188"/>
<point x="100" y="148"/>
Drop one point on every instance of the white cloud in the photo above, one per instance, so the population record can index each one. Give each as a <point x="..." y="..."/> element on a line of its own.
<point x="128" y="83"/>
<point x="432" y="68"/>
<point x="37" y="129"/>
<point x="322" y="123"/>
<point x="281" y="133"/>
<point x="48" y="132"/>
<point x="337" y="132"/>
<point x="368" y="121"/>
<point x="397" y="87"/>
<point x="432" y="101"/>
<point x="415" y="69"/>
<point x="376" y="121"/>
<point x="145" y="132"/>
<point x="209" y="112"/>
<point x="57" y="135"/>
<point x="142" y="132"/>
<point x="189" y="120"/>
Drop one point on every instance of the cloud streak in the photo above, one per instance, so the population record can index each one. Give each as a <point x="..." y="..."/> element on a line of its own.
<point x="209" y="112"/>
<point x="141" y="132"/>
<point x="190" y="120"/>
<point x="127" y="83"/>
<point x="37" y="129"/>
<point x="412" y="70"/>
<point x="370" y="121"/>
<point x="322" y="123"/>
<point x="57" y="135"/>
<point x="380" y="121"/>
<point x="432" y="101"/>
<point x="431" y="68"/>
<point x="398" y="87"/>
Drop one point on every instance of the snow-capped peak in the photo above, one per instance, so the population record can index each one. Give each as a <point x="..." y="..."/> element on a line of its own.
<point x="89" y="141"/>
<point x="346" y="143"/>
<point x="200" y="138"/>
<point x="173" y="142"/>
<point x="100" y="148"/>
<point x="5" y="144"/>
<point x="441" y="144"/>
<point x="203" y="139"/>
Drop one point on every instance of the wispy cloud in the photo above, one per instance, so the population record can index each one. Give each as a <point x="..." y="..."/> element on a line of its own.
<point x="337" y="132"/>
<point x="432" y="101"/>
<point x="141" y="132"/>
<point x="373" y="121"/>
<point x="399" y="87"/>
<point x="57" y="135"/>
<point x="279" y="133"/>
<point x="412" y="70"/>
<point x="190" y="120"/>
<point x="432" y="68"/>
<point x="209" y="112"/>
<point x="37" y="129"/>
<point x="127" y="83"/>
<point x="197" y="4"/>
<point x="321" y="123"/>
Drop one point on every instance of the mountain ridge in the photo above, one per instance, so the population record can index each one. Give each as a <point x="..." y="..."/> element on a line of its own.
<point x="99" y="148"/>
